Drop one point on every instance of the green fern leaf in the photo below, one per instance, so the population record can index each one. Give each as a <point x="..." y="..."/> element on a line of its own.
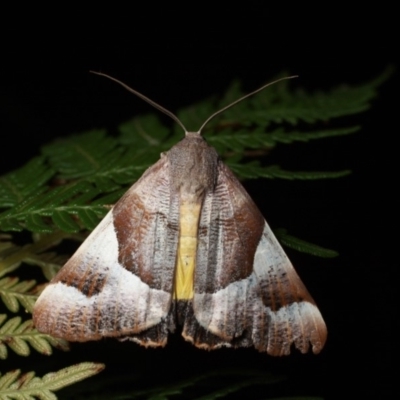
<point x="35" y="223"/>
<point x="286" y="137"/>
<point x="303" y="246"/>
<point x="201" y="384"/>
<point x="10" y="224"/>
<point x="34" y="253"/>
<point x="17" y="335"/>
<point x="64" y="221"/>
<point x="25" y="181"/>
<point x="15" y="293"/>
<point x="49" y="262"/>
<point x="297" y="398"/>
<point x="96" y="167"/>
<point x="101" y="160"/>
<point x="144" y="132"/>
<point x="3" y="349"/>
<point x="194" y="115"/>
<point x="279" y="105"/>
<point x="90" y="218"/>
<point x="233" y="388"/>
<point x="242" y="139"/>
<point x="81" y="155"/>
<point x="56" y="205"/>
<point x="310" y="108"/>
<point x="7" y="253"/>
<point x="13" y="385"/>
<point x="254" y="170"/>
<point x="5" y="242"/>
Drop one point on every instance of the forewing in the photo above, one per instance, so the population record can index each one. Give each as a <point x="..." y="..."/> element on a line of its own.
<point x="246" y="290"/>
<point x="119" y="282"/>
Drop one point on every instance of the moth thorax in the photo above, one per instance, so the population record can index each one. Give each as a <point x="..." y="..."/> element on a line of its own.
<point x="193" y="167"/>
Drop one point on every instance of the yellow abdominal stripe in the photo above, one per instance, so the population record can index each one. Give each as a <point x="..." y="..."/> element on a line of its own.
<point x="187" y="249"/>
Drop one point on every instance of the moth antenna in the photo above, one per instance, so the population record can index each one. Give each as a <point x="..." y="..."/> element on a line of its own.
<point x="240" y="99"/>
<point x="143" y="97"/>
<point x="173" y="116"/>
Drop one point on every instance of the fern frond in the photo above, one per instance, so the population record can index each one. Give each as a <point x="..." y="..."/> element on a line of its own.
<point x="62" y="205"/>
<point x="90" y="153"/>
<point x="286" y="137"/>
<point x="17" y="334"/>
<point x="33" y="253"/>
<point x="224" y="381"/>
<point x="254" y="170"/>
<point x="68" y="207"/>
<point x="144" y="132"/>
<point x="239" y="140"/>
<point x="297" y="398"/>
<point x="24" y="182"/>
<point x="303" y="246"/>
<point x="103" y="161"/>
<point x="282" y="106"/>
<point x="194" y="115"/>
<point x="5" y="243"/>
<point x="49" y="262"/>
<point x="14" y="385"/>
<point x="96" y="167"/>
<point x="7" y="248"/>
<point x="14" y="293"/>
<point x="278" y="104"/>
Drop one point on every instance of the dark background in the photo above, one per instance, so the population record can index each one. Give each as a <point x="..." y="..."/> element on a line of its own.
<point x="47" y="92"/>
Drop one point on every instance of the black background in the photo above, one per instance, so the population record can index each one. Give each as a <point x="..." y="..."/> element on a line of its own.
<point x="47" y="92"/>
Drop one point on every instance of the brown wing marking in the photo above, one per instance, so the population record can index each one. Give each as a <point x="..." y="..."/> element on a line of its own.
<point x="290" y="311"/>
<point x="230" y="229"/>
<point x="267" y="307"/>
<point x="101" y="292"/>
<point x="146" y="222"/>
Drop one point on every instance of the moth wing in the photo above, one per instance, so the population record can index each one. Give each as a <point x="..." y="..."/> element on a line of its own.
<point x="119" y="281"/>
<point x="247" y="292"/>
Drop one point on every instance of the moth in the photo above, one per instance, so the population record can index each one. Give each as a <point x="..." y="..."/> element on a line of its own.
<point x="185" y="246"/>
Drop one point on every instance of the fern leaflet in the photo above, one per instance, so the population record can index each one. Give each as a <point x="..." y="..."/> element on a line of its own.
<point x="15" y="293"/>
<point x="17" y="334"/>
<point x="27" y="386"/>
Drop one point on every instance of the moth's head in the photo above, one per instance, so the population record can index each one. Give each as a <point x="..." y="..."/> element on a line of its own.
<point x="194" y="148"/>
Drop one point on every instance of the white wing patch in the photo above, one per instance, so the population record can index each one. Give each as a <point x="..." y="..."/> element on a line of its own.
<point x="259" y="306"/>
<point x="124" y="305"/>
<point x="94" y="295"/>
